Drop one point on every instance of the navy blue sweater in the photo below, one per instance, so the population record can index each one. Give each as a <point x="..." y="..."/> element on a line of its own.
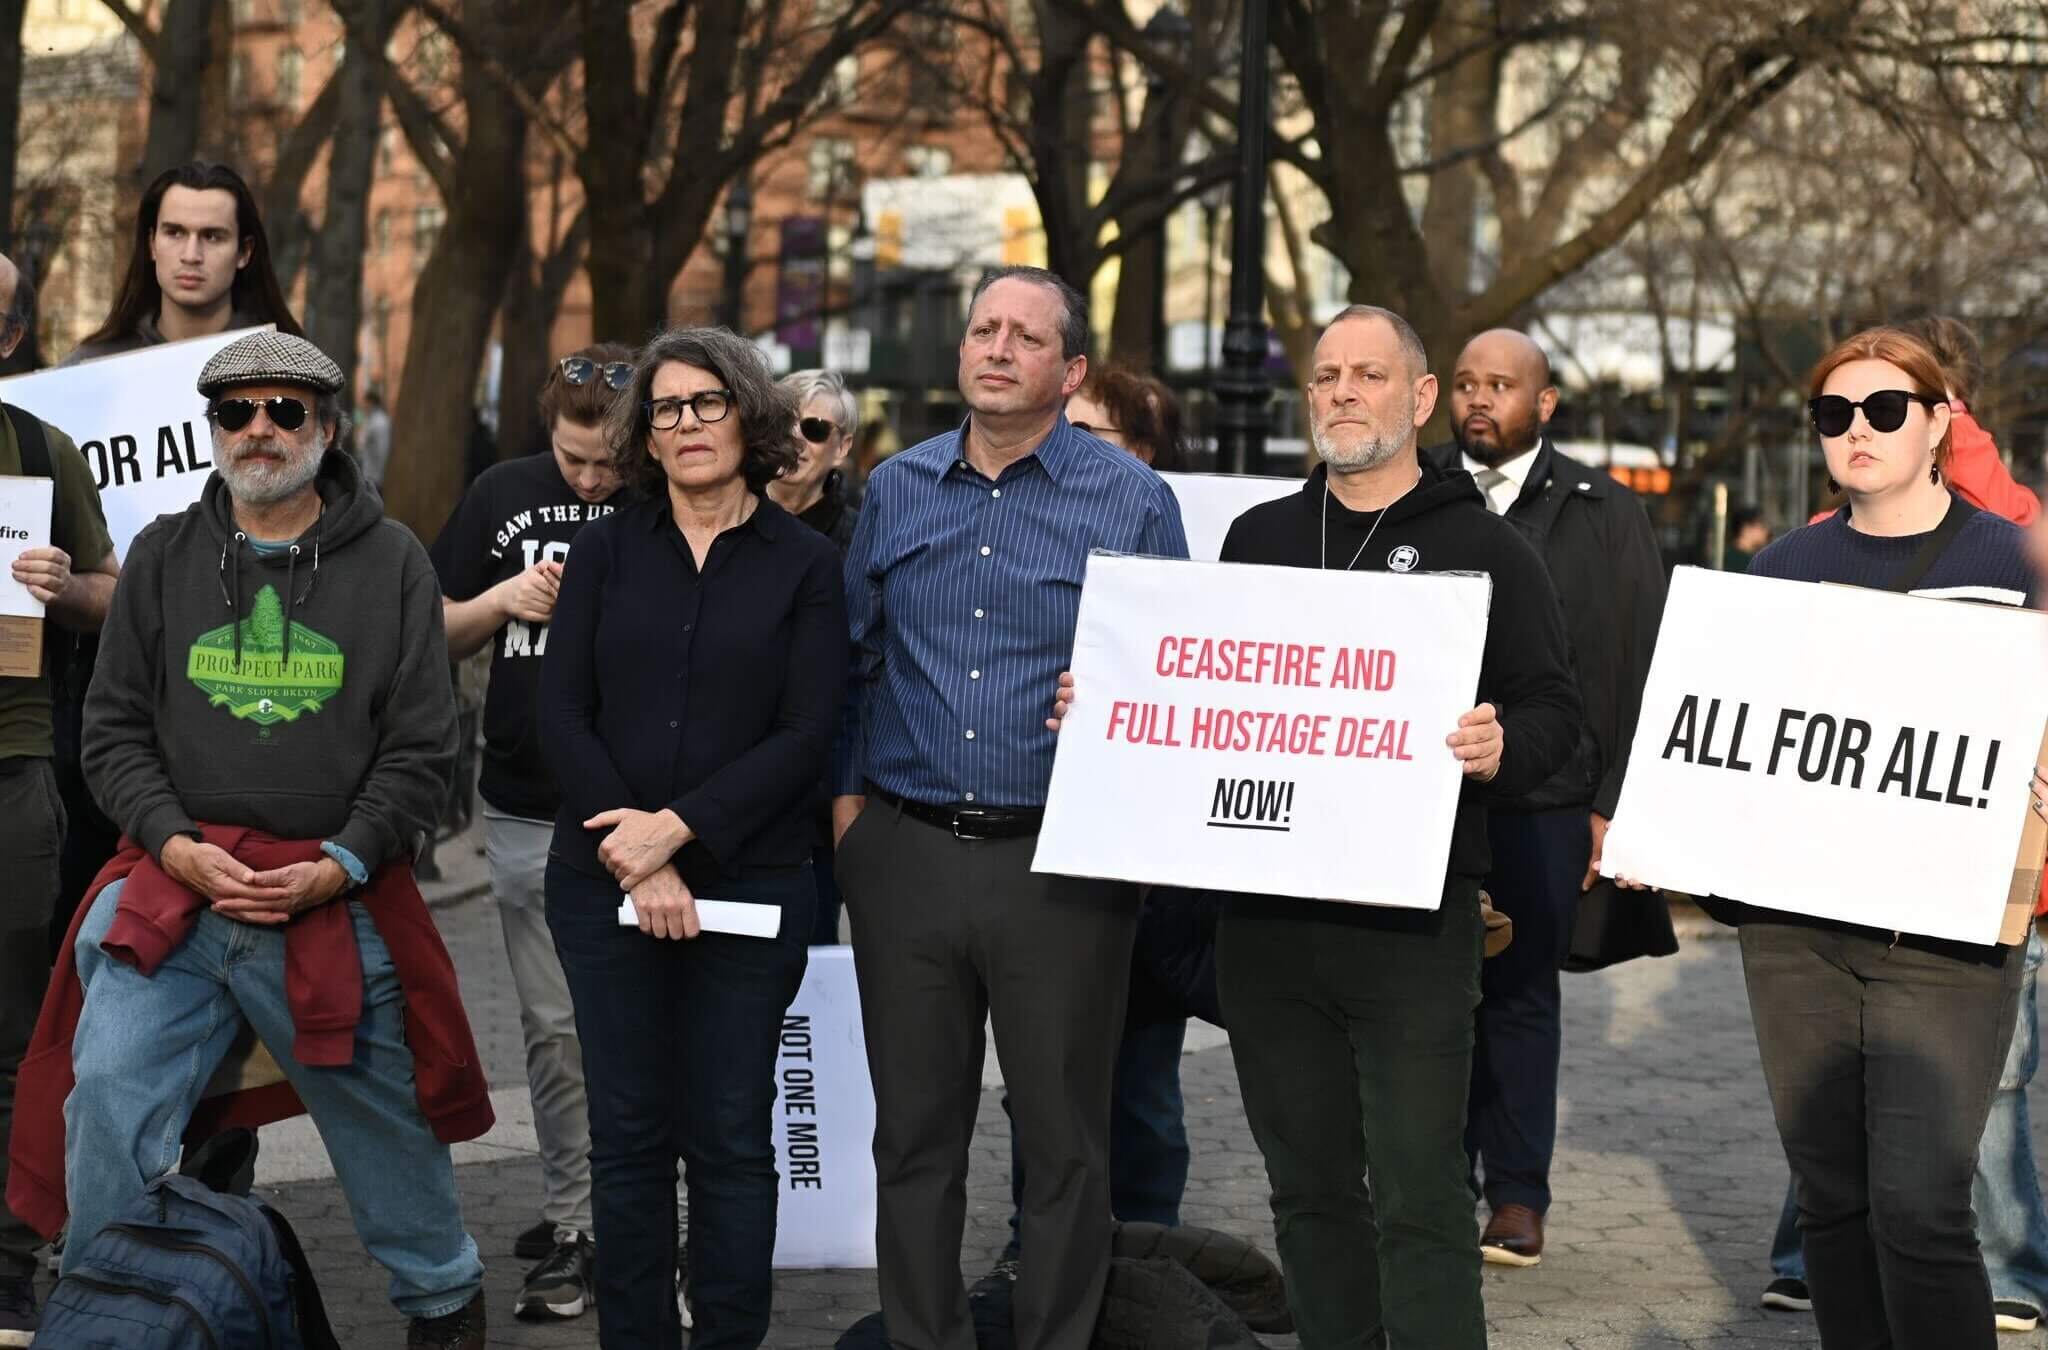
<point x="1985" y="561"/>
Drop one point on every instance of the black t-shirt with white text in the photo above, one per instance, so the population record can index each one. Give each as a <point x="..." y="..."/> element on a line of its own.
<point x="516" y="514"/>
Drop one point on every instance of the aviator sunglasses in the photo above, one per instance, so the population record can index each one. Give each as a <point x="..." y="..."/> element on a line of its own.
<point x="1885" y="410"/>
<point x="579" y="370"/>
<point x="286" y="414"/>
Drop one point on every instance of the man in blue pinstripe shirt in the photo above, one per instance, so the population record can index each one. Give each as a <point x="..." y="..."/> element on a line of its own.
<point x="963" y="584"/>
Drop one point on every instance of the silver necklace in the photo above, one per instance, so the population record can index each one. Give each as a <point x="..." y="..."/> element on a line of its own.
<point x="1323" y="555"/>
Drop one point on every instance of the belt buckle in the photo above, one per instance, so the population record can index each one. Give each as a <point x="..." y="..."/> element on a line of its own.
<point x="968" y="815"/>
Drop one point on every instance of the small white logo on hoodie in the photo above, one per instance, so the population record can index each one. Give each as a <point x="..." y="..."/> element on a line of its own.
<point x="1403" y="559"/>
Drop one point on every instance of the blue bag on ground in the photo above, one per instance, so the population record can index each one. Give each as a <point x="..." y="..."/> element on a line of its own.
<point x="188" y="1268"/>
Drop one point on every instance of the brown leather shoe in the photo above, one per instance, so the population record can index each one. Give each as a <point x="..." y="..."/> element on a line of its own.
<point x="1513" y="1237"/>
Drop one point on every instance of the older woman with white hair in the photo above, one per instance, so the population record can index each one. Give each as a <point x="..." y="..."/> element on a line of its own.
<point x="815" y="489"/>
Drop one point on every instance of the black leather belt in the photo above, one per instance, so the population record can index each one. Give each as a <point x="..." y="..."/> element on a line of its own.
<point x="964" y="821"/>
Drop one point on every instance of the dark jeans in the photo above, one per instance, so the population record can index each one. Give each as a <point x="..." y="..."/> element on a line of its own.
<point x="1148" y="1137"/>
<point x="29" y="847"/>
<point x="1882" y="1057"/>
<point x="1539" y="858"/>
<point x="1352" y="1034"/>
<point x="948" y="933"/>
<point x="679" y="1045"/>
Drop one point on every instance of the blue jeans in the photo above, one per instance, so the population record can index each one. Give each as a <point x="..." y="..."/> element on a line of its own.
<point x="2012" y="1228"/>
<point x="679" y="1046"/>
<point x="146" y="1046"/>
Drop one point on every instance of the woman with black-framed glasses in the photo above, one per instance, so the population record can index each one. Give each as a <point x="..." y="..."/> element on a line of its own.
<point x="1882" y="1049"/>
<point x="691" y="688"/>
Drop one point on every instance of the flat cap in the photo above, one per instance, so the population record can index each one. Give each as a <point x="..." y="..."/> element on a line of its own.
<point x="270" y="358"/>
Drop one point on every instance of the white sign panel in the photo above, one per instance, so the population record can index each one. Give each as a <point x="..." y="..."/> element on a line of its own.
<point x="24" y="524"/>
<point x="1209" y="502"/>
<point x="825" y="1123"/>
<point x="1265" y="729"/>
<point x="140" y="423"/>
<point x="1843" y="753"/>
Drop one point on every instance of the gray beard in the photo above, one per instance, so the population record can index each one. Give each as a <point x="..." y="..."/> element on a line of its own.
<point x="1368" y="455"/>
<point x="266" y="486"/>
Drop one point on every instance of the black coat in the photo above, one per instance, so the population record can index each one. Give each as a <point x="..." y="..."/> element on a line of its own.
<point x="1595" y="537"/>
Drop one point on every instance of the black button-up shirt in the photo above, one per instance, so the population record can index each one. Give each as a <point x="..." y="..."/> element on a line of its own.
<point x="714" y="693"/>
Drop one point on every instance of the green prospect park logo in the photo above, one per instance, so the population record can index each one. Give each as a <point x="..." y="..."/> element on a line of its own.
<point x="265" y="690"/>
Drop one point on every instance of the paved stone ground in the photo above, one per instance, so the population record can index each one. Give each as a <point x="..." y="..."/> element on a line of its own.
<point x="1668" y="1179"/>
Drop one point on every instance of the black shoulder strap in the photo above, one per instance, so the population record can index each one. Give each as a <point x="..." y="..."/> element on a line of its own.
<point x="35" y="446"/>
<point x="1937" y="542"/>
<point x="315" y="1330"/>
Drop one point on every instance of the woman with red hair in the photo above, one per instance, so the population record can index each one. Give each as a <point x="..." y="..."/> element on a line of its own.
<point x="1883" y="1050"/>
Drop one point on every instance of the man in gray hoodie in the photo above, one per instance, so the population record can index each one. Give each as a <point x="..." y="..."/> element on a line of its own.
<point x="275" y="662"/>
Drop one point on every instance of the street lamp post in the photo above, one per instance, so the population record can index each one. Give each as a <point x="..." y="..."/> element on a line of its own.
<point x="1213" y="199"/>
<point x="739" y="219"/>
<point x="1242" y="390"/>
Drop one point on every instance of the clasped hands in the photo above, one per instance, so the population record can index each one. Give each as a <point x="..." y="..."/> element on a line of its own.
<point x="239" y="892"/>
<point x="638" y="853"/>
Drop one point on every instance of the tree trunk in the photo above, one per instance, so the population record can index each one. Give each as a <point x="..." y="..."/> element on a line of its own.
<point x="177" y="85"/>
<point x="1462" y="112"/>
<point x="12" y="12"/>
<point x="334" y="296"/>
<point x="1142" y="263"/>
<point x="532" y="300"/>
<point x="1057" y="135"/>
<point x="457" y="296"/>
<point x="625" y="302"/>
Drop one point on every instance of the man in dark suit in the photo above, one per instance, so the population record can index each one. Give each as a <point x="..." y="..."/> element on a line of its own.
<point x="1595" y="537"/>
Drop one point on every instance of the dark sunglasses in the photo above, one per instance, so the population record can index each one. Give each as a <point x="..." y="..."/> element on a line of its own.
<point x="665" y="414"/>
<point x="816" y="430"/>
<point x="1885" y="410"/>
<point x="286" y="414"/>
<point x="1093" y="430"/>
<point x="579" y="370"/>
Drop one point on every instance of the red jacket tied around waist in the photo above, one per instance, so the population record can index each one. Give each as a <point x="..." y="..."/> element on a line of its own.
<point x="323" y="983"/>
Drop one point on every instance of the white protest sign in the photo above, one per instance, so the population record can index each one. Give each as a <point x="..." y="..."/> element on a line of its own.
<point x="1838" y="752"/>
<point x="825" y="1123"/>
<point x="1265" y="729"/>
<point x="1209" y="502"/>
<point x="140" y="422"/>
<point x="24" y="524"/>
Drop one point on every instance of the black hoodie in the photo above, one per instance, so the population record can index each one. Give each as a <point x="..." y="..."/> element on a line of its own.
<point x="304" y="693"/>
<point x="1442" y="525"/>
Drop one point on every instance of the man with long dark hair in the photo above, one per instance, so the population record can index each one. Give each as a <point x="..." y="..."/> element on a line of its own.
<point x="200" y="266"/>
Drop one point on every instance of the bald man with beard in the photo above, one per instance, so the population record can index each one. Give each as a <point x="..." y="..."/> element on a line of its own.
<point x="1594" y="536"/>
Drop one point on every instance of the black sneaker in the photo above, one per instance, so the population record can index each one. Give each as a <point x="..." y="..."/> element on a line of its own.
<point x="2012" y="1314"/>
<point x="535" y="1242"/>
<point x="1787" y="1295"/>
<point x="559" y="1287"/>
<point x="225" y="1162"/>
<point x="462" y="1329"/>
<point x="18" y="1316"/>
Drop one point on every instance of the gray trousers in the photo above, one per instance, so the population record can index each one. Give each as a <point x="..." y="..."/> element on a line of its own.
<point x="517" y="851"/>
<point x="29" y="845"/>
<point x="948" y="934"/>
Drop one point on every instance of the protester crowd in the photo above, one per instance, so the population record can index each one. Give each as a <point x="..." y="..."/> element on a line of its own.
<point x="721" y="668"/>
